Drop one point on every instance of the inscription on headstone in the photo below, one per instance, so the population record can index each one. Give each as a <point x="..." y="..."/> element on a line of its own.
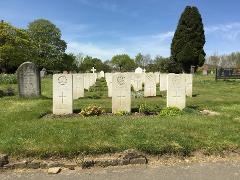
<point x="121" y="94"/>
<point x="150" y="85"/>
<point x="28" y="80"/>
<point x="62" y="94"/>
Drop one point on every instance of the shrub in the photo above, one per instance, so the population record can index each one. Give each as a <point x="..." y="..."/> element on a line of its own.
<point x="147" y="110"/>
<point x="92" y="110"/>
<point x="8" y="79"/>
<point x="170" y="111"/>
<point x="122" y="113"/>
<point x="1" y="93"/>
<point x="94" y="96"/>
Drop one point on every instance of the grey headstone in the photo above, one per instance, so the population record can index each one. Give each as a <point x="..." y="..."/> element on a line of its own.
<point x="28" y="80"/>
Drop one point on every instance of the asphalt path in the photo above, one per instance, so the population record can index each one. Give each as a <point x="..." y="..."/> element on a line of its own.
<point x="196" y="171"/>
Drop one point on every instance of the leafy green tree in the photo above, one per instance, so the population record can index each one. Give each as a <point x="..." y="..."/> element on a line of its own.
<point x="47" y="38"/>
<point x="88" y="62"/>
<point x="139" y="60"/>
<point x="123" y="62"/>
<point x="188" y="41"/>
<point x="68" y="63"/>
<point x="15" y="47"/>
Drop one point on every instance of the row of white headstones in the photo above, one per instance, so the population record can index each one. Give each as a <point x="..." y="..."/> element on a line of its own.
<point x="67" y="87"/>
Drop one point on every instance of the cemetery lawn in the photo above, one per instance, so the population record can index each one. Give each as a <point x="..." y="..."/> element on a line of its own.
<point x="25" y="130"/>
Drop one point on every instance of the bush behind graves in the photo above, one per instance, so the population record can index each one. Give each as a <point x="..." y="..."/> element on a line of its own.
<point x="8" y="79"/>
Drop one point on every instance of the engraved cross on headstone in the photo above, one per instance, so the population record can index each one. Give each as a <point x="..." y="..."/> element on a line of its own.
<point x="62" y="97"/>
<point x="93" y="69"/>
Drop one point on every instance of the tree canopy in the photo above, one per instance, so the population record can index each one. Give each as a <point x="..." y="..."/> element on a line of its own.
<point x="47" y="39"/>
<point x="188" y="41"/>
<point x="123" y="62"/>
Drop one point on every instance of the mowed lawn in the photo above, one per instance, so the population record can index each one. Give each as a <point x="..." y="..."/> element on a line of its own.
<point x="26" y="131"/>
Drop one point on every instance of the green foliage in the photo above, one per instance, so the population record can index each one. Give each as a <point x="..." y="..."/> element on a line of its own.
<point x="15" y="47"/>
<point x="88" y="62"/>
<point x="123" y="62"/>
<point x="50" y="48"/>
<point x="170" y="111"/>
<point x="92" y="110"/>
<point x="147" y="109"/>
<point x="8" y="92"/>
<point x="189" y="39"/>
<point x="8" y="79"/>
<point x="122" y="113"/>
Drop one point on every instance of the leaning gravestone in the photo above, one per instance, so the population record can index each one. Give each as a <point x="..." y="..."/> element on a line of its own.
<point x="28" y="80"/>
<point x="62" y="94"/>
<point x="121" y="93"/>
<point x="150" y="85"/>
<point x="78" y="86"/>
<point x="176" y="95"/>
<point x="163" y="82"/>
<point x="189" y="80"/>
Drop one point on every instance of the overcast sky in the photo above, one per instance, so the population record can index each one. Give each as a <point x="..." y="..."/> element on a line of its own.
<point x="103" y="28"/>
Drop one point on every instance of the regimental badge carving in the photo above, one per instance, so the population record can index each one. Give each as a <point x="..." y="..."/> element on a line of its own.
<point x="62" y="80"/>
<point x="175" y="81"/>
<point x="121" y="80"/>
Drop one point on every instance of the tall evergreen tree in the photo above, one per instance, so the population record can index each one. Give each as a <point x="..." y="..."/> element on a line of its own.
<point x="188" y="41"/>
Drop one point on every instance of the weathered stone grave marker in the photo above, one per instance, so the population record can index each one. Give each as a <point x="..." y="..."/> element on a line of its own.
<point x="62" y="94"/>
<point x="137" y="81"/>
<point x="28" y="80"/>
<point x="121" y="93"/>
<point x="176" y="94"/>
<point x="78" y="86"/>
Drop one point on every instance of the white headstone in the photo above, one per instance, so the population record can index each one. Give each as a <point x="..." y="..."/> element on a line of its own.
<point x="163" y="82"/>
<point x="62" y="94"/>
<point x="121" y="94"/>
<point x="149" y="85"/>
<point x="108" y="77"/>
<point x="101" y="74"/>
<point x="86" y="80"/>
<point x="137" y="81"/>
<point x="139" y="70"/>
<point x="78" y="86"/>
<point x="189" y="82"/>
<point x="176" y="95"/>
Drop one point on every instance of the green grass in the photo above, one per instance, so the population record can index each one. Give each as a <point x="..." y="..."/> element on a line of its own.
<point x="23" y="131"/>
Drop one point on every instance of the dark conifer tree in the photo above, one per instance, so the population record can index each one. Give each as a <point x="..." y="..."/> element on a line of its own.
<point x="188" y="41"/>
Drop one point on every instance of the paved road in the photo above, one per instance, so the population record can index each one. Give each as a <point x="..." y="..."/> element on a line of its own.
<point x="200" y="171"/>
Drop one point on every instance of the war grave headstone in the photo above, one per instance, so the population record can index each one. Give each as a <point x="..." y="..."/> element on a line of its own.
<point x="86" y="80"/>
<point x="121" y="93"/>
<point x="62" y="94"/>
<point x="101" y="74"/>
<point x="28" y="80"/>
<point x="108" y="77"/>
<point x="78" y="86"/>
<point x="149" y="85"/>
<point x="139" y="70"/>
<point x="163" y="82"/>
<point x="137" y="81"/>
<point x="189" y="82"/>
<point x="176" y="94"/>
<point x="43" y="72"/>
